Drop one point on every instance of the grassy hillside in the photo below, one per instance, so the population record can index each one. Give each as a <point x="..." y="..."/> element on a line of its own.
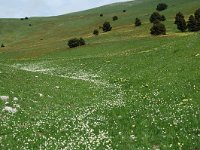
<point x="125" y="89"/>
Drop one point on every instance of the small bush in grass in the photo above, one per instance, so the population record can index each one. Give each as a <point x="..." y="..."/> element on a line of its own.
<point x="81" y="42"/>
<point x="96" y="32"/>
<point x="75" y="42"/>
<point x="197" y="18"/>
<point x="163" y="18"/>
<point x="155" y="16"/>
<point x="115" y="18"/>
<point x="26" y="18"/>
<point x="2" y="45"/>
<point x="180" y="22"/>
<point x="158" y="29"/>
<point x="192" y="24"/>
<point x="107" y="27"/>
<point x="197" y="14"/>
<point x="124" y="10"/>
<point x="137" y="22"/>
<point x="101" y="15"/>
<point x="178" y="17"/>
<point x="161" y="6"/>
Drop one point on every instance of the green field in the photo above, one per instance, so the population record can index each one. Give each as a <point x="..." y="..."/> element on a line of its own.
<point x="124" y="90"/>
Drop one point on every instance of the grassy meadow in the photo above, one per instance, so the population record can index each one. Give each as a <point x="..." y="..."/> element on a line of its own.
<point x="124" y="90"/>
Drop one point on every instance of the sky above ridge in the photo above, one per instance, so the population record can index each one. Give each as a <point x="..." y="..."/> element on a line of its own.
<point x="22" y="8"/>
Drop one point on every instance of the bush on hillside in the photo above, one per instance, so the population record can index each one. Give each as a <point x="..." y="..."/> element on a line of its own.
<point x="96" y="32"/>
<point x="2" y="45"/>
<point x="155" y="16"/>
<point x="115" y="18"/>
<point x="158" y="29"/>
<point x="178" y="17"/>
<point x="107" y="27"/>
<point x="75" y="42"/>
<point x="180" y="22"/>
<point x="163" y="18"/>
<point x="137" y="22"/>
<point x="192" y="24"/>
<point x="124" y="10"/>
<point x="26" y="18"/>
<point x="101" y="15"/>
<point x="81" y="42"/>
<point x="197" y="14"/>
<point x="197" y="18"/>
<point x="161" y="6"/>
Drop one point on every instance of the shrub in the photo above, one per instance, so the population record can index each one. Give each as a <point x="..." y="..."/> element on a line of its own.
<point x="158" y="29"/>
<point x="21" y="18"/>
<point x="137" y="22"/>
<point x="163" y="18"/>
<point x="124" y="10"/>
<point x="81" y="42"/>
<point x="26" y="18"/>
<point x="101" y="15"/>
<point x="115" y="18"/>
<point x="178" y="17"/>
<point x="75" y="42"/>
<point x="197" y="14"/>
<point x="192" y="24"/>
<point x="155" y="16"/>
<point x="2" y="45"/>
<point x="30" y="25"/>
<point x="197" y="17"/>
<point x="96" y="32"/>
<point x="161" y="6"/>
<point x="180" y="22"/>
<point x="107" y="27"/>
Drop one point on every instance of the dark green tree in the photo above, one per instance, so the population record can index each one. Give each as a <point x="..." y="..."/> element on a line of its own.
<point x="192" y="24"/>
<point x="96" y="32"/>
<point x="2" y="45"/>
<point x="81" y="42"/>
<point x="180" y="22"/>
<point x="137" y="22"/>
<point x="161" y="6"/>
<point x="155" y="16"/>
<point x="197" y="17"/>
<point x="75" y="42"/>
<point x="163" y="18"/>
<point x="124" y="10"/>
<point x="115" y="18"/>
<point x="178" y="17"/>
<point x="107" y="27"/>
<point x="101" y="15"/>
<point x="158" y="29"/>
<point x="197" y="14"/>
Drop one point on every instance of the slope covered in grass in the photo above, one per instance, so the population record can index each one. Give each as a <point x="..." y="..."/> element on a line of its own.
<point x="124" y="90"/>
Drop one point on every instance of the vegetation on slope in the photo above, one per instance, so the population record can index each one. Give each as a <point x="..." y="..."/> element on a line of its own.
<point x="125" y="90"/>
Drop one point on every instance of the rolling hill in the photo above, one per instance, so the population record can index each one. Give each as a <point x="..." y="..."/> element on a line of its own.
<point x="124" y="89"/>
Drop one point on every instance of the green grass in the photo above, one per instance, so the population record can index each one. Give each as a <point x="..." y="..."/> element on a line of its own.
<point x="124" y="90"/>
